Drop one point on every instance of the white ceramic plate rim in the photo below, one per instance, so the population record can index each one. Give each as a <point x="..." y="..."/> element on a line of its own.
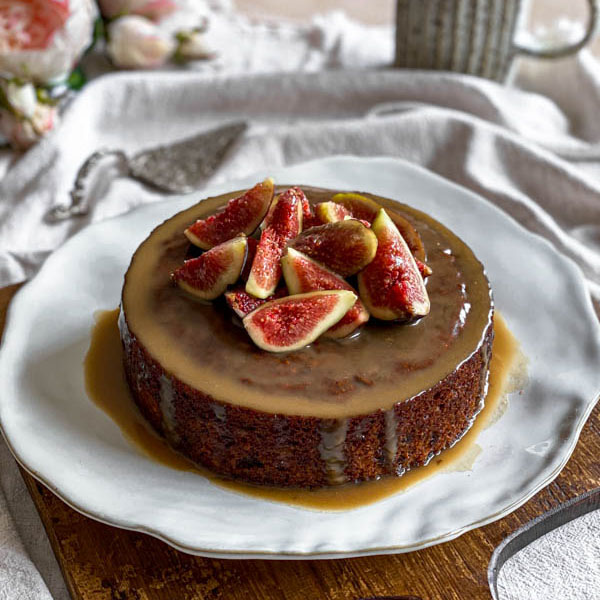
<point x="356" y="172"/>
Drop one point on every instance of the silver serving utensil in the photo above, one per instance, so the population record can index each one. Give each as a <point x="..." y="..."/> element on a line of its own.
<point x="538" y="527"/>
<point x="177" y="168"/>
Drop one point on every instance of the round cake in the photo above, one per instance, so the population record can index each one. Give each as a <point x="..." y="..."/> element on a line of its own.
<point x="376" y="403"/>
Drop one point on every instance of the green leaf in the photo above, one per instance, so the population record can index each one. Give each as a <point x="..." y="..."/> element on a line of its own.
<point x="76" y="79"/>
<point x="99" y="32"/>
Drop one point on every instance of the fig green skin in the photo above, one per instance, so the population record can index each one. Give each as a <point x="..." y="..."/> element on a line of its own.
<point x="293" y="322"/>
<point x="391" y="286"/>
<point x="363" y="208"/>
<point x="242" y="215"/>
<point x="330" y="212"/>
<point x="359" y="206"/>
<point x="345" y="247"/>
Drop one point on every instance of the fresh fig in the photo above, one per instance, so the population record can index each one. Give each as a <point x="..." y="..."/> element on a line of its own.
<point x="242" y="303"/>
<point x="410" y="234"/>
<point x="282" y="224"/>
<point x="366" y="209"/>
<point x="252" y="245"/>
<point x="331" y="212"/>
<point x="365" y="223"/>
<point x="293" y="322"/>
<point x="344" y="247"/>
<point x="391" y="286"/>
<point x="208" y="275"/>
<point x="307" y="212"/>
<point x="310" y="222"/>
<point x="359" y="206"/>
<point x="303" y="274"/>
<point x="241" y="215"/>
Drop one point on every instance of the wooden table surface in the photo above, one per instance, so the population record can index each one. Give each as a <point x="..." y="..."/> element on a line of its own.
<point x="100" y="562"/>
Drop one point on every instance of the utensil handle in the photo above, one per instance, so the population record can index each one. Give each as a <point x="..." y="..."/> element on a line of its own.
<point x="77" y="194"/>
<point x="566" y="49"/>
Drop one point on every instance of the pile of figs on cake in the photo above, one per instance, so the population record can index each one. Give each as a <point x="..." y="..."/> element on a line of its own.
<point x="284" y="265"/>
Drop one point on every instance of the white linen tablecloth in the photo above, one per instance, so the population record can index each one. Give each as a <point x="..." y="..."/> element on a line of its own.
<point x="532" y="148"/>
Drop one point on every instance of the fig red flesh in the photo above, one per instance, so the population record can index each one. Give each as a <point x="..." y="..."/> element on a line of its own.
<point x="293" y="322"/>
<point x="391" y="286"/>
<point x="310" y="222"/>
<point x="345" y="247"/>
<point x="242" y="303"/>
<point x="241" y="215"/>
<point x="208" y="275"/>
<point x="330" y="212"/>
<point x="282" y="224"/>
<point x="307" y="212"/>
<point x="302" y="274"/>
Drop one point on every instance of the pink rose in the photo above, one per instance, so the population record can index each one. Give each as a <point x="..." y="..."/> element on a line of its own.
<point x="152" y="9"/>
<point x="30" y="25"/>
<point x="136" y="43"/>
<point x="41" y="40"/>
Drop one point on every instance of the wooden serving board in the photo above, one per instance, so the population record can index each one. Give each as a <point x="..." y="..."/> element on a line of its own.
<point x="100" y="562"/>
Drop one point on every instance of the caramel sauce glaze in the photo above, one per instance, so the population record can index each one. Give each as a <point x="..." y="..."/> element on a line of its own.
<point x="106" y="386"/>
<point x="205" y="346"/>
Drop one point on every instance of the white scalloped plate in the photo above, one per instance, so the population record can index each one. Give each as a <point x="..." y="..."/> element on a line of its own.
<point x="69" y="444"/>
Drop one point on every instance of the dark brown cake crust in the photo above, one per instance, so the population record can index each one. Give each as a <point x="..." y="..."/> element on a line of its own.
<point x="283" y="450"/>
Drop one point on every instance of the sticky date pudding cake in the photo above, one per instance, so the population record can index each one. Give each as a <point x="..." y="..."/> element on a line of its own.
<point x="306" y="337"/>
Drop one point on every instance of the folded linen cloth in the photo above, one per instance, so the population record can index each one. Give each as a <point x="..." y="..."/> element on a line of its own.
<point x="533" y="151"/>
<point x="515" y="148"/>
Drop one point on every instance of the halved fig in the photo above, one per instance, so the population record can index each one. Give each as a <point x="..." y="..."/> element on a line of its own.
<point x="310" y="222"/>
<point x="365" y="223"/>
<point x="359" y="206"/>
<point x="242" y="303"/>
<point x="208" y="275"/>
<point x="295" y="321"/>
<point x="391" y="286"/>
<point x="331" y="212"/>
<point x="307" y="212"/>
<point x="306" y="208"/>
<point x="364" y="208"/>
<point x="303" y="274"/>
<point x="282" y="224"/>
<point x="410" y="234"/>
<point x="241" y="215"/>
<point x="344" y="247"/>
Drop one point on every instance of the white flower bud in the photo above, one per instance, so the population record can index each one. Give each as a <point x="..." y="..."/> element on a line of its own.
<point x="137" y="43"/>
<point x="22" y="98"/>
